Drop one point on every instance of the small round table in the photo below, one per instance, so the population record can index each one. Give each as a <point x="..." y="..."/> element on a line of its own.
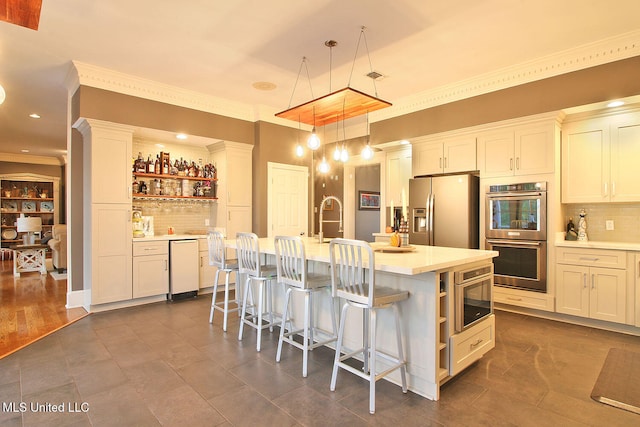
<point x="29" y="258"/>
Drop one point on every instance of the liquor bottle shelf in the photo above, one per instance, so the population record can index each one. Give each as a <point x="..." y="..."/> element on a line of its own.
<point x="167" y="176"/>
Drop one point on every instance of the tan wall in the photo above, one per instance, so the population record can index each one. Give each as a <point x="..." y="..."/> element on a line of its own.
<point x="114" y="107"/>
<point x="276" y="144"/>
<point x="76" y="215"/>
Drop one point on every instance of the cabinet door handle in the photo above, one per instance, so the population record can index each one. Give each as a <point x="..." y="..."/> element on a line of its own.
<point x="517" y="163"/>
<point x="440" y="162"/>
<point x="475" y="344"/>
<point x="445" y="162"/>
<point x="511" y="164"/>
<point x="585" y="280"/>
<point x="606" y="189"/>
<point x="166" y="265"/>
<point x="201" y="261"/>
<point x="593" y="281"/>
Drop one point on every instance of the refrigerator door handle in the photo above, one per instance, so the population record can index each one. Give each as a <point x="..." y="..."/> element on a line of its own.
<point x="431" y="231"/>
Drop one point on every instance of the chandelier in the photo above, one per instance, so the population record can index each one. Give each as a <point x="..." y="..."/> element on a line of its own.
<point x="338" y="105"/>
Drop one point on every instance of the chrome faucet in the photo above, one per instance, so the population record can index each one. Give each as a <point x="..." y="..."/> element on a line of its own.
<point x="324" y="202"/>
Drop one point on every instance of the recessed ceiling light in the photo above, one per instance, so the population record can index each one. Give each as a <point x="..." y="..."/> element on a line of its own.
<point x="615" y="104"/>
<point x="181" y="136"/>
<point x="264" y="85"/>
<point x="24" y="150"/>
<point x="404" y="142"/>
<point x="159" y="145"/>
<point x="34" y="115"/>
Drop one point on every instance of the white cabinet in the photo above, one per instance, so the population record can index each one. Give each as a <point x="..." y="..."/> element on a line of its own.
<point x="599" y="159"/>
<point x="518" y="150"/>
<point x="108" y="253"/>
<point x="107" y="228"/>
<point x="234" y="164"/>
<point x="150" y="268"/>
<point x="592" y="283"/>
<point x="398" y="174"/>
<point x="448" y="155"/>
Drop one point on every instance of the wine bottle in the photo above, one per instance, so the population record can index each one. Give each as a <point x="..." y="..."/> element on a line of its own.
<point x="151" y="166"/>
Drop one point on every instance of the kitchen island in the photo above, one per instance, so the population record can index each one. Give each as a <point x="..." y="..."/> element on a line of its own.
<point x="435" y="352"/>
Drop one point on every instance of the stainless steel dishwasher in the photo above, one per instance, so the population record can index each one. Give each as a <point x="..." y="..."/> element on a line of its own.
<point x="184" y="269"/>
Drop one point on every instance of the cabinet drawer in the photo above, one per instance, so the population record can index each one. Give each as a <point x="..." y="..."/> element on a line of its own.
<point x="150" y="248"/>
<point x="470" y="345"/>
<point x="519" y="298"/>
<point x="592" y="257"/>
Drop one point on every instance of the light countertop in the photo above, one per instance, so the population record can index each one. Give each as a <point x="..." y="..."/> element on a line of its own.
<point x="590" y="244"/>
<point x="423" y="259"/>
<point x="159" y="237"/>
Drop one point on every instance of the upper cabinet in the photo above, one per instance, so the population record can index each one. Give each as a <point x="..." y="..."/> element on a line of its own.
<point x="444" y="155"/>
<point x="599" y="159"/>
<point x="518" y="150"/>
<point x="398" y="173"/>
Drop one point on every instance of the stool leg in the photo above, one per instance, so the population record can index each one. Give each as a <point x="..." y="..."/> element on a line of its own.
<point x="307" y="322"/>
<point x="336" y="360"/>
<point x="403" y="368"/>
<point x="213" y="297"/>
<point x="226" y="301"/>
<point x="244" y="307"/>
<point x="372" y="361"/>
<point x="365" y="338"/>
<point x="287" y="296"/>
<point x="260" y="309"/>
<point x="334" y="322"/>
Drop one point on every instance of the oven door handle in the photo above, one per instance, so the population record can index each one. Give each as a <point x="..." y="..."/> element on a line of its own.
<point x="514" y="242"/>
<point x="510" y="195"/>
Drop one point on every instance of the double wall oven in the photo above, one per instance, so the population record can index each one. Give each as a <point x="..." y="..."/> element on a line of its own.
<point x="516" y="227"/>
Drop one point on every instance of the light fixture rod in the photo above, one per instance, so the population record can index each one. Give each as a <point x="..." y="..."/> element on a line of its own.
<point x="304" y="62"/>
<point x="363" y="35"/>
<point x="330" y="44"/>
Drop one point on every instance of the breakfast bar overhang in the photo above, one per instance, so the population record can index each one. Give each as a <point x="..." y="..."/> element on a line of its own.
<point x="435" y="349"/>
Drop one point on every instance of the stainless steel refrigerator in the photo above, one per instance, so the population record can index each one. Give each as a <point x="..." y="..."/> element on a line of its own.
<point x="444" y="211"/>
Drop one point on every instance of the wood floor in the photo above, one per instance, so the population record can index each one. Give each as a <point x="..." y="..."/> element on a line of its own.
<point x="31" y="307"/>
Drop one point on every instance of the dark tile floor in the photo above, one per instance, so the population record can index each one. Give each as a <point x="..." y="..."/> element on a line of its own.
<point x="164" y="364"/>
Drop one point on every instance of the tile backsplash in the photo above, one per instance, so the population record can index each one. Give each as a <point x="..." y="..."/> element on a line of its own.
<point x="182" y="216"/>
<point x="625" y="217"/>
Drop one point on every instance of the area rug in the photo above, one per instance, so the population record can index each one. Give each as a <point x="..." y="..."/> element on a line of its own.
<point x="58" y="276"/>
<point x="619" y="381"/>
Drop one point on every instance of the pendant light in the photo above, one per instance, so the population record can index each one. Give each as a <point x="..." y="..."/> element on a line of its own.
<point x="2" y="94"/>
<point x="367" y="151"/>
<point x="313" y="142"/>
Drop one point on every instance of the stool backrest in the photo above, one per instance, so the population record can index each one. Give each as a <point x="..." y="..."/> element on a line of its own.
<point x="352" y="270"/>
<point x="248" y="253"/>
<point x="217" y="250"/>
<point x="291" y="261"/>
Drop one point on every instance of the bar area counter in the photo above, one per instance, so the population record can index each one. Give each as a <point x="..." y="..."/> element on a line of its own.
<point x="434" y="349"/>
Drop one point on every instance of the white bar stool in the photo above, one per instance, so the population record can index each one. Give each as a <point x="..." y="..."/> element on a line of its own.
<point x="218" y="258"/>
<point x="291" y="264"/>
<point x="248" y="253"/>
<point x="353" y="278"/>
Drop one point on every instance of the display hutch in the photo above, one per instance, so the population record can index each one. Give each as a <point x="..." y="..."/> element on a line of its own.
<point x="29" y="195"/>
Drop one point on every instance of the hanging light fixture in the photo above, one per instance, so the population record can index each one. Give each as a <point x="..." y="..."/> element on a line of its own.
<point x="2" y="94"/>
<point x="322" y="111"/>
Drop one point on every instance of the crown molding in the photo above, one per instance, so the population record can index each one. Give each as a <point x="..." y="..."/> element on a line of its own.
<point x="35" y="160"/>
<point x="586" y="56"/>
<point x="114" y="81"/>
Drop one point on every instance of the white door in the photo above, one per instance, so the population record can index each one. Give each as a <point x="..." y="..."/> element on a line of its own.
<point x="287" y="200"/>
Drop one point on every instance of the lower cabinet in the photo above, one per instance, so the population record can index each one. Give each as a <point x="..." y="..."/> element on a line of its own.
<point x="592" y="283"/>
<point x="207" y="273"/>
<point x="471" y="344"/>
<point x="150" y="268"/>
